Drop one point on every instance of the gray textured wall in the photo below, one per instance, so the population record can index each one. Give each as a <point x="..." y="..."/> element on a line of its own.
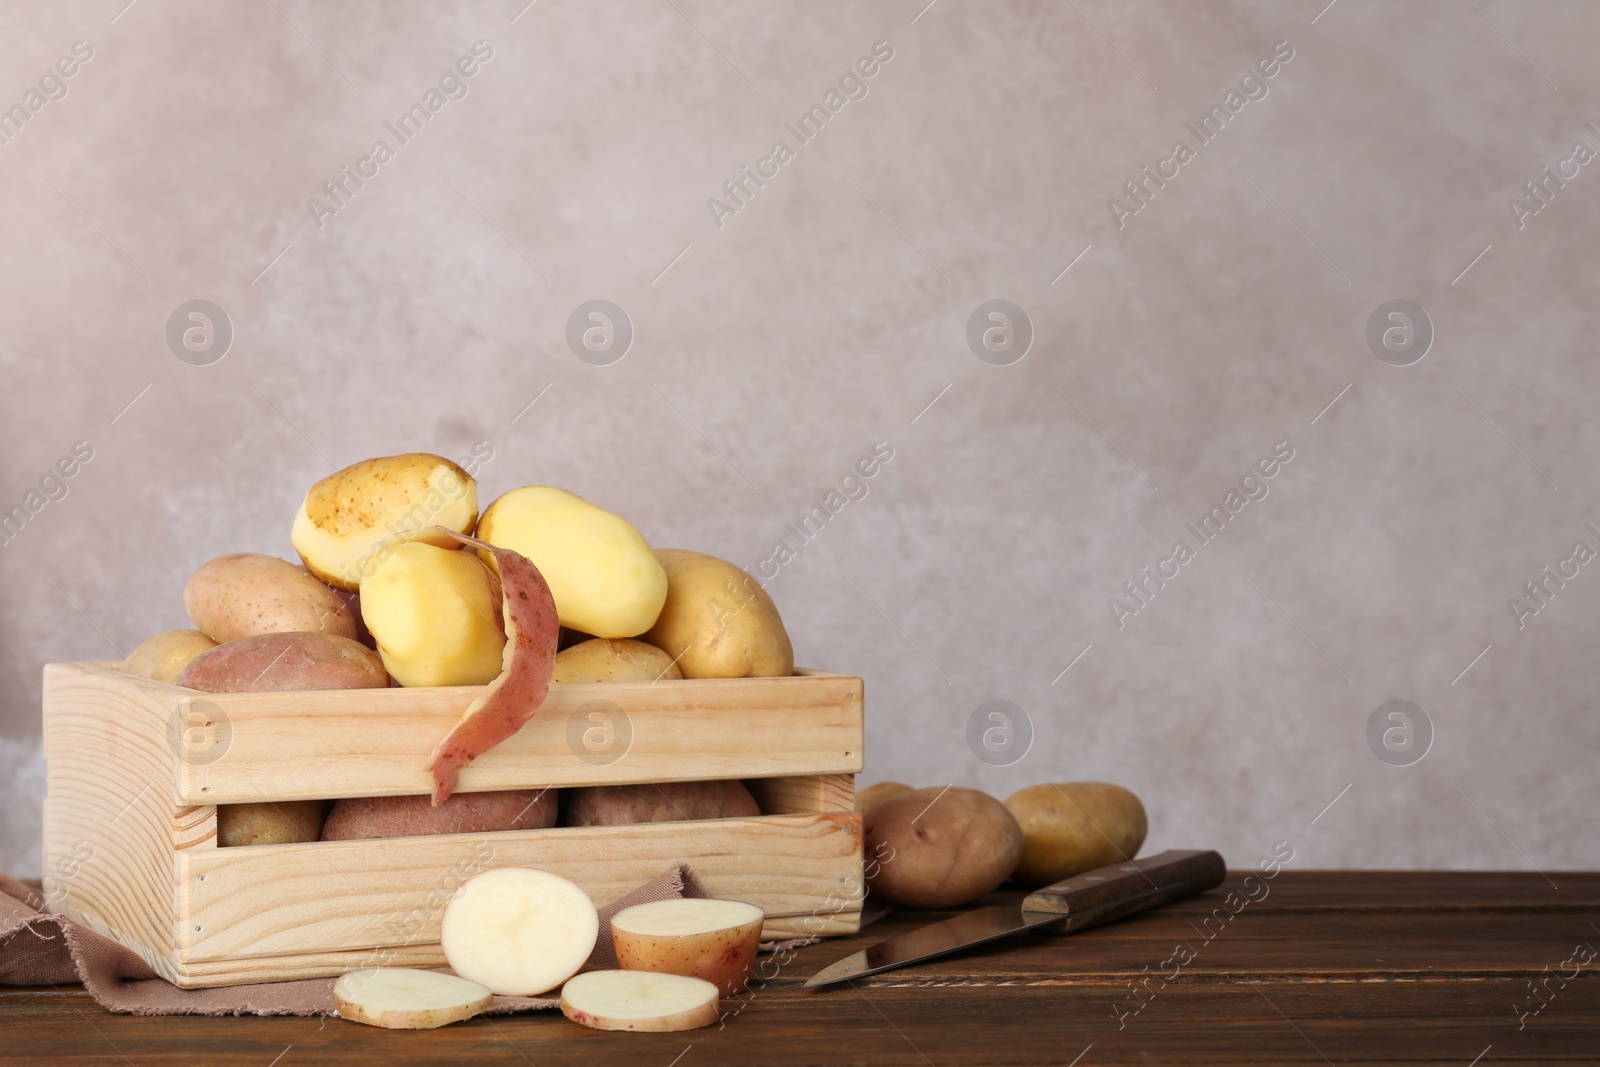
<point x="829" y="312"/>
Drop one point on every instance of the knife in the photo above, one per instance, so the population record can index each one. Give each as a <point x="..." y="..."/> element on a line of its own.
<point x="1079" y="902"/>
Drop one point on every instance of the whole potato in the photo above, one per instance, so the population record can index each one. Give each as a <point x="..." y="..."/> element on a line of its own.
<point x="940" y="848"/>
<point x="604" y="660"/>
<point x="877" y="793"/>
<point x="285" y="822"/>
<point x="246" y="593"/>
<point x="354" y="516"/>
<point x="462" y="813"/>
<point x="163" y="657"/>
<point x="435" y="615"/>
<point x="628" y="805"/>
<point x="718" y="622"/>
<point x="1072" y="827"/>
<point x="270" y="663"/>
<point x="600" y="569"/>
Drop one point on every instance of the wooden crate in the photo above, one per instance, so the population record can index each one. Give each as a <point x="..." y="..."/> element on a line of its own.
<point x="136" y="770"/>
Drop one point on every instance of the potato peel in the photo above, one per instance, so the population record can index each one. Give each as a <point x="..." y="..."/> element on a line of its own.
<point x="532" y="630"/>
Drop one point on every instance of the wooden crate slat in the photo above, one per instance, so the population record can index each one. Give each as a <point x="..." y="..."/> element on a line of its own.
<point x="339" y="895"/>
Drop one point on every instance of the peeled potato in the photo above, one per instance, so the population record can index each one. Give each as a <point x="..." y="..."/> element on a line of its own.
<point x="601" y="571"/>
<point x="163" y="657"/>
<point x="712" y="939"/>
<point x="283" y="822"/>
<point x="877" y="793"/>
<point x="354" y="516"/>
<point x="603" y="660"/>
<point x="940" y="848"/>
<point x="400" y="998"/>
<point x="282" y="662"/>
<point x="639" y="1000"/>
<point x="1072" y="827"/>
<point x="435" y="615"/>
<point x="246" y="593"/>
<point x="718" y="622"/>
<point x="418" y="816"/>
<point x="518" y="931"/>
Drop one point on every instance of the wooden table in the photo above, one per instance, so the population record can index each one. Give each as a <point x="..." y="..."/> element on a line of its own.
<point x="1329" y="966"/>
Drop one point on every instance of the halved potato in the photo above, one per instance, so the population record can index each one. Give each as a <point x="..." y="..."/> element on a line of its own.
<point x="519" y="931"/>
<point x="639" y="1000"/>
<point x="703" y="938"/>
<point x="604" y="577"/>
<point x="355" y="514"/>
<point x="435" y="615"/>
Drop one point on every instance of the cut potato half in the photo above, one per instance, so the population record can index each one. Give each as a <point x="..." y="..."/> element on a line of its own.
<point x="401" y="998"/>
<point x="519" y="931"/>
<point x="716" y="940"/>
<point x="639" y="1000"/>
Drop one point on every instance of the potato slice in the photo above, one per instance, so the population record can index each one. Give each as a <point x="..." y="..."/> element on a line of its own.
<point x="401" y="998"/>
<point x="712" y="939"/>
<point x="639" y="1000"/>
<point x="519" y="931"/>
<point x="353" y="516"/>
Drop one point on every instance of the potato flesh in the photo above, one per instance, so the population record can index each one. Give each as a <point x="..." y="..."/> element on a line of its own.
<point x="353" y="515"/>
<point x="605" y="580"/>
<point x="639" y="1000"/>
<point x="434" y="616"/>
<point x="712" y="939"/>
<point x="401" y="998"/>
<point x="519" y="931"/>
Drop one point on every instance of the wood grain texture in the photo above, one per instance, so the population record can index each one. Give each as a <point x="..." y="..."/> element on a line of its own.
<point x="1342" y="967"/>
<point x="804" y="793"/>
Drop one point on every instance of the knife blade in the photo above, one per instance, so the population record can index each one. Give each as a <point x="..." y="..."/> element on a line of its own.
<point x="1077" y="903"/>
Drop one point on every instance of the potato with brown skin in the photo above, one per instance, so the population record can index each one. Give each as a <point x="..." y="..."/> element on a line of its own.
<point x="940" y="847"/>
<point x="623" y="660"/>
<point x="700" y="937"/>
<point x="361" y="818"/>
<point x="163" y="657"/>
<point x="284" y="822"/>
<point x="269" y="663"/>
<point x="629" y="805"/>
<point x="718" y="622"/>
<point x="1072" y="827"/>
<point x="245" y="594"/>
<point x="877" y="793"/>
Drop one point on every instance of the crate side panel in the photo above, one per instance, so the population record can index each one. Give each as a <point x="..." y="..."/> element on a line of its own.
<point x="307" y="746"/>
<point x="804" y="794"/>
<point x="337" y="896"/>
<point x="108" y="811"/>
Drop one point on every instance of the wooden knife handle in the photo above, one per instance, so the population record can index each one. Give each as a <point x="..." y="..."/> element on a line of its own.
<point x="1108" y="893"/>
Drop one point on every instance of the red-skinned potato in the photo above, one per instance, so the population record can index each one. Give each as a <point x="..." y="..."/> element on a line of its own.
<point x="359" y="818"/>
<point x="712" y="939"/>
<point x="941" y="847"/>
<point x="285" y="661"/>
<point x="627" y="805"/>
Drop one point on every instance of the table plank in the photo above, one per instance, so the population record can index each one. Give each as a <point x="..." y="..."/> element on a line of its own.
<point x="1347" y="967"/>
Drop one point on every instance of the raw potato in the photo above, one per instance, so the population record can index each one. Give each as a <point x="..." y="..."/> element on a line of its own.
<point x="1072" y="827"/>
<point x="400" y="998"/>
<point x="639" y="1000"/>
<point x="284" y="822"/>
<point x="356" y="514"/>
<point x="246" y="594"/>
<point x="605" y="580"/>
<point x="518" y="931"/>
<point x="604" y="660"/>
<point x="712" y="939"/>
<point x="417" y="816"/>
<point x="940" y="848"/>
<point x="271" y="663"/>
<point x="877" y="793"/>
<point x="164" y="656"/>
<point x="628" y="805"/>
<point x="435" y="615"/>
<point x="718" y="622"/>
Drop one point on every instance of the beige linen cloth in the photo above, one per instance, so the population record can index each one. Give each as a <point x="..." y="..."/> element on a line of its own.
<point x="38" y="948"/>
